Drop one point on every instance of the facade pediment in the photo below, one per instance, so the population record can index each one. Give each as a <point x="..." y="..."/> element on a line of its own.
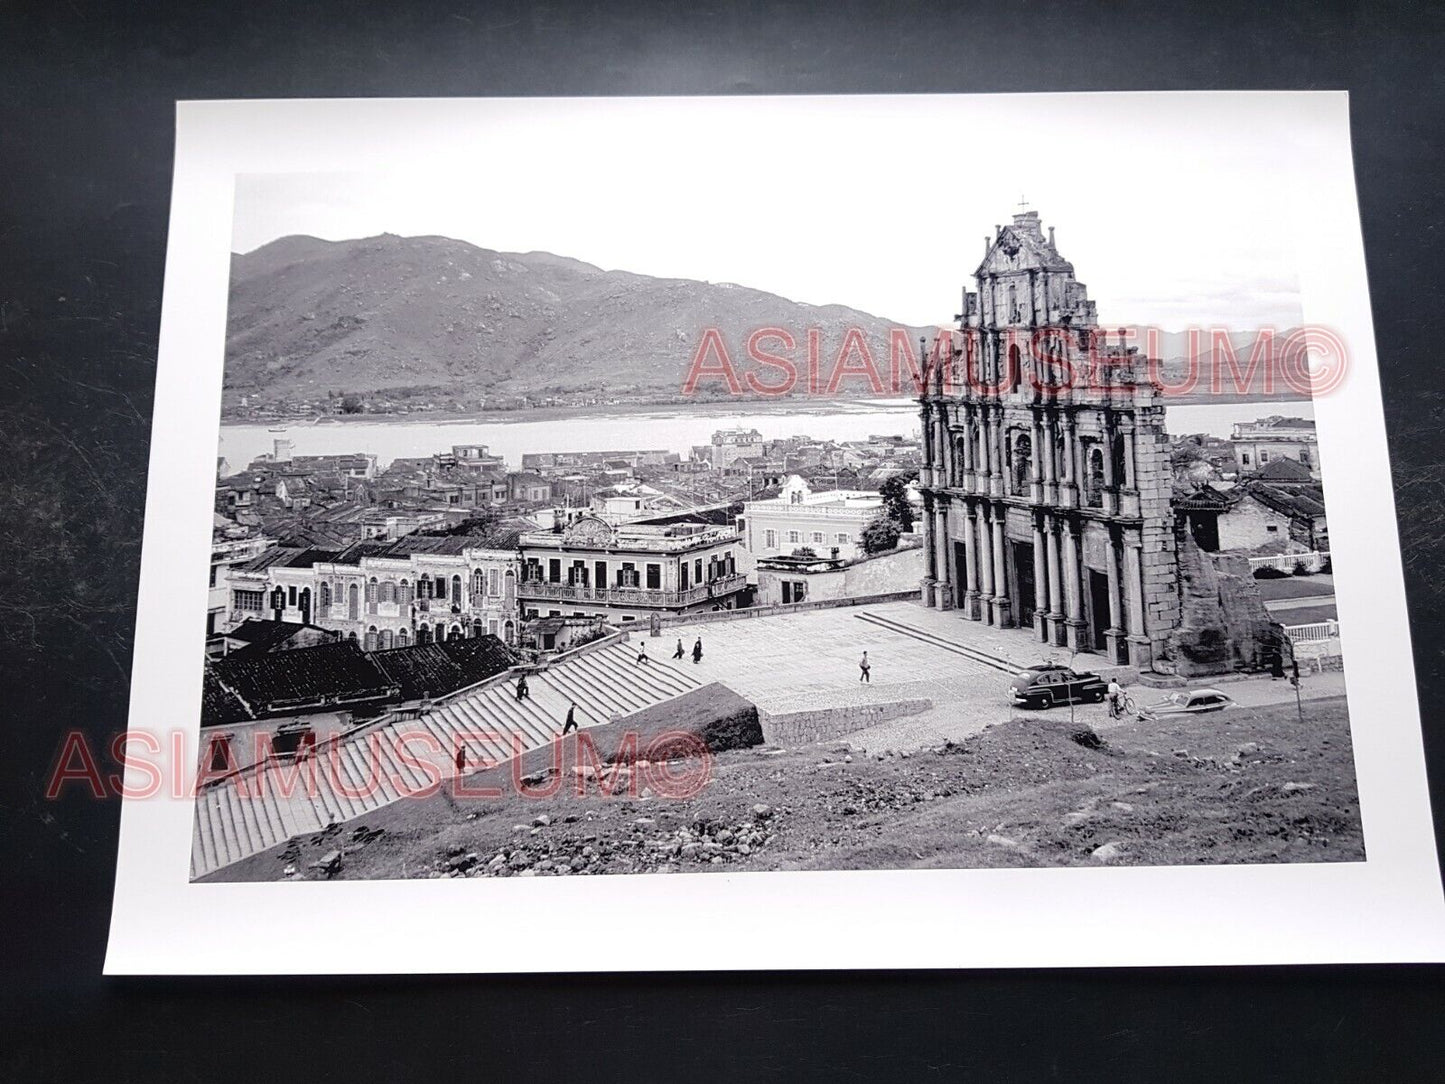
<point x="1015" y="250"/>
<point x="589" y="530"/>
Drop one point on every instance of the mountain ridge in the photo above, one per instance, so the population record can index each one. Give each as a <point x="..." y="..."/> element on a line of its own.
<point x="375" y="316"/>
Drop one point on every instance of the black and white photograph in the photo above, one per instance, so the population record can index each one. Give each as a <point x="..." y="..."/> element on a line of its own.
<point x="1070" y="602"/>
<point x="685" y="517"/>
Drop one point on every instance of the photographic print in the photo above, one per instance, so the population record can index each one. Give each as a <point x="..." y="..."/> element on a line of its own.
<point x="822" y="486"/>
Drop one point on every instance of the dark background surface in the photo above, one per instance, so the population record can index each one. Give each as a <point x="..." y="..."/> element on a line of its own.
<point x="86" y="112"/>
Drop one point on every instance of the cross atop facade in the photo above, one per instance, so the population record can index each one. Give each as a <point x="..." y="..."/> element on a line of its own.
<point x="1023" y="204"/>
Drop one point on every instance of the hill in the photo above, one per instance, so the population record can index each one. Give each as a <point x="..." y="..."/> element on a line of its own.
<point x="403" y="319"/>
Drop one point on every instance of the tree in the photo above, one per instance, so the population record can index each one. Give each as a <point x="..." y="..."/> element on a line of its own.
<point x="880" y="536"/>
<point x="351" y="403"/>
<point x="895" y="499"/>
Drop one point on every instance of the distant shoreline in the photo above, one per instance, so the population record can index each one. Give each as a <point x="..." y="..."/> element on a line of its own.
<point x="718" y="407"/>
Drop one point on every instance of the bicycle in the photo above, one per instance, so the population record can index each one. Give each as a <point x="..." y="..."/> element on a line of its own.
<point x="1122" y="707"/>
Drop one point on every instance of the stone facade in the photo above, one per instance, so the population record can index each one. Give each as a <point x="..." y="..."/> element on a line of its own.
<point x="1047" y="481"/>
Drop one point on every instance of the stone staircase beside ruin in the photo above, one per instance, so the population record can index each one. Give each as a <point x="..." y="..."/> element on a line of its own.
<point x="261" y="806"/>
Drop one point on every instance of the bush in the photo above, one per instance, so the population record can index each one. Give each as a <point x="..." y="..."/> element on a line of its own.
<point x="895" y="499"/>
<point x="880" y="536"/>
<point x="1268" y="572"/>
<point x="1300" y="569"/>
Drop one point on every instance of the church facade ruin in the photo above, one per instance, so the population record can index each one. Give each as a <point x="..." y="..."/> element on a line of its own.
<point x="1047" y="481"/>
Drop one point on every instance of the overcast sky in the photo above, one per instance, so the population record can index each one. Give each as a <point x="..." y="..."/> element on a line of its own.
<point x="1175" y="210"/>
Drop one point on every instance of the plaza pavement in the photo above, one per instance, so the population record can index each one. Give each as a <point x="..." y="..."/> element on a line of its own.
<point x="809" y="660"/>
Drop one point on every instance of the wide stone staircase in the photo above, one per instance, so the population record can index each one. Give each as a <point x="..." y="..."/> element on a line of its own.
<point x="377" y="764"/>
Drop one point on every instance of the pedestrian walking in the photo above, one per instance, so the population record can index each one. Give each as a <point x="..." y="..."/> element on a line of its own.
<point x="641" y="652"/>
<point x="571" y="723"/>
<point x="679" y="653"/>
<point x="523" y="692"/>
<point x="461" y="759"/>
<point x="697" y="650"/>
<point x="864" y="670"/>
<point x="1115" y="695"/>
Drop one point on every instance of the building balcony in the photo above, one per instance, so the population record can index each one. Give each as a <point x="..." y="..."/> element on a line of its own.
<point x="653" y="597"/>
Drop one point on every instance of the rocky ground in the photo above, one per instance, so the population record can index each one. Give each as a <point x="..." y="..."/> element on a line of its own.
<point x="1248" y="785"/>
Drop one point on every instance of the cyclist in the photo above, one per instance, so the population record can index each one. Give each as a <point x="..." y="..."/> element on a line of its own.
<point x="1115" y="696"/>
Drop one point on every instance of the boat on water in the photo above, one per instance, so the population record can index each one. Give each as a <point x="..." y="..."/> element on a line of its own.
<point x="276" y="429"/>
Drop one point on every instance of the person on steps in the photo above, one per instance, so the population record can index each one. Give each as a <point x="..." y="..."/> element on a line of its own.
<point x="864" y="669"/>
<point x="461" y="759"/>
<point x="641" y="652"/>
<point x="679" y="653"/>
<point x="523" y="693"/>
<point x="571" y="723"/>
<point x="697" y="650"/>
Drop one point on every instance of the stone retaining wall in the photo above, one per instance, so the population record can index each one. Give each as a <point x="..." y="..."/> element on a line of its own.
<point x="821" y="724"/>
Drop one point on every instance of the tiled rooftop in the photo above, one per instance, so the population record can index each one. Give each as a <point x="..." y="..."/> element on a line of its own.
<point x="439" y="669"/>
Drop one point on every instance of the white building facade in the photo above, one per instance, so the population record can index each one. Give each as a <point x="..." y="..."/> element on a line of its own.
<point x="627" y="572"/>
<point x="799" y="518"/>
<point x="1258" y="443"/>
<point x="385" y="601"/>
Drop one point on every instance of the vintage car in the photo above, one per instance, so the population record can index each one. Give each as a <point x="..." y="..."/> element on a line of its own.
<point x="1188" y="702"/>
<point x="1049" y="684"/>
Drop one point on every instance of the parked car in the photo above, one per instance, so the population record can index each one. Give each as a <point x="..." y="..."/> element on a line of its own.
<point x="1189" y="702"/>
<point x="1048" y="684"/>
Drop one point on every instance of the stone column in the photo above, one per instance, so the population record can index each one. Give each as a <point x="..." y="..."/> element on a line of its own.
<point x="982" y="460"/>
<point x="1069" y="488"/>
<point x="1080" y="466"/>
<point x="985" y="564"/>
<point x="1140" y="654"/>
<point x="1074" y="631"/>
<point x="1114" y="634"/>
<point x="929" y="550"/>
<point x="1038" y="452"/>
<point x="925" y="474"/>
<point x="945" y="450"/>
<point x="1055" y="616"/>
<point x="970" y="562"/>
<point x="1041" y="582"/>
<point x="1049" y="451"/>
<point x="943" y="586"/>
<point x="966" y="442"/>
<point x="1000" y="578"/>
<point x="1129" y="497"/>
<point x="996" y="485"/>
<point x="1111" y="485"/>
<point x="1128" y="430"/>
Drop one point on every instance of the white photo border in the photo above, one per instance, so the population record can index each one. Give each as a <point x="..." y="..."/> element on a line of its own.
<point x="1388" y="908"/>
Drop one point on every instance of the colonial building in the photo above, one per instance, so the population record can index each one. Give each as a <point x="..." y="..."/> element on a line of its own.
<point x="1261" y="442"/>
<point x="627" y="572"/>
<point x="730" y="445"/>
<point x="828" y="523"/>
<point x="1047" y="478"/>
<point x="227" y="553"/>
<point x="417" y="589"/>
